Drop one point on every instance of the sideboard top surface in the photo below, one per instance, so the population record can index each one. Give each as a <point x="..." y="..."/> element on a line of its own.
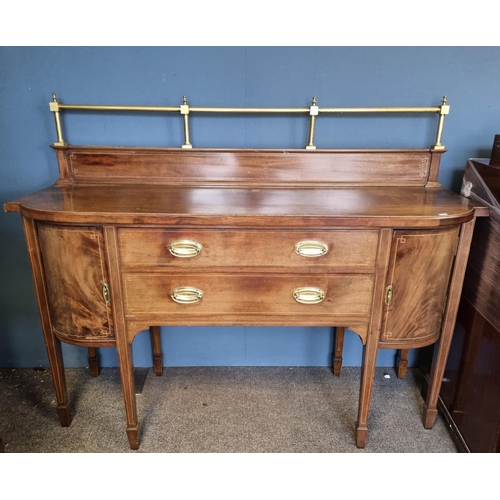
<point x="240" y="206"/>
<point x="268" y="188"/>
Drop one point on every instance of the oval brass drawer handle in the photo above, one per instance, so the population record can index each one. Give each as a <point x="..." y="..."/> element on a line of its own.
<point x="185" y="248"/>
<point x="308" y="295"/>
<point x="186" y="295"/>
<point x="311" y="248"/>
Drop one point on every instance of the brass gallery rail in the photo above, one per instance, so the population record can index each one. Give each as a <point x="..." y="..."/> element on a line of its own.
<point x="184" y="109"/>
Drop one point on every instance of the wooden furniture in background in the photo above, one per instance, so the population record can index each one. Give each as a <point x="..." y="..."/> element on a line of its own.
<point x="470" y="393"/>
<point x="133" y="237"/>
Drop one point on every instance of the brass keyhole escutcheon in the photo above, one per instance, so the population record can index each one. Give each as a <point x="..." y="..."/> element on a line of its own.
<point x="388" y="295"/>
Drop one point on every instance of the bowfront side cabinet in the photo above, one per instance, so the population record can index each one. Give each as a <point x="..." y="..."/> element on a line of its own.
<point x="75" y="267"/>
<point x="129" y="237"/>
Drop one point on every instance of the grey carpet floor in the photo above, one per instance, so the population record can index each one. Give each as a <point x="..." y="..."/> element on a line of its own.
<point x="219" y="410"/>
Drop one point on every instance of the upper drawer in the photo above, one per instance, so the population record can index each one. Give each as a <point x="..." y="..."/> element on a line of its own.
<point x="351" y="249"/>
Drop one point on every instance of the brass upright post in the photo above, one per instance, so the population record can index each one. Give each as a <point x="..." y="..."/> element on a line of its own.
<point x="313" y="111"/>
<point x="54" y="106"/>
<point x="444" y="109"/>
<point x="185" y="113"/>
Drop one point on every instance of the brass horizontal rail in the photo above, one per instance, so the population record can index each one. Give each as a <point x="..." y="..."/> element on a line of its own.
<point x="196" y="109"/>
<point x="106" y="107"/>
<point x="435" y="109"/>
<point x="248" y="110"/>
<point x="184" y="109"/>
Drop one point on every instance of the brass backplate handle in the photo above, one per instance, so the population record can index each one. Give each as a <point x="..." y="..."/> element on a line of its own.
<point x="308" y="295"/>
<point x="186" y="295"/>
<point x="311" y="248"/>
<point x="185" y="248"/>
<point x="388" y="295"/>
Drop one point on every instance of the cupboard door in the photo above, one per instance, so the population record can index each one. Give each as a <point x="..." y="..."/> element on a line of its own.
<point x="419" y="272"/>
<point x="75" y="271"/>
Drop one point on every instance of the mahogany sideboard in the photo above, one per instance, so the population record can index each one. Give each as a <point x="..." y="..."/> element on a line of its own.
<point x="132" y="238"/>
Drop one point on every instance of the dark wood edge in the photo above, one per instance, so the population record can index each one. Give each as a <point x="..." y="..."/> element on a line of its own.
<point x="410" y="343"/>
<point x="12" y="206"/>
<point x="179" y="150"/>
<point x="480" y="208"/>
<point x="179" y="220"/>
<point x="435" y="165"/>
<point x="455" y="434"/>
<point x="86" y="343"/>
<point x="62" y="160"/>
<point x="452" y="428"/>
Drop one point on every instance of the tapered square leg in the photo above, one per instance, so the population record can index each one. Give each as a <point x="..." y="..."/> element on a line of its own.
<point x="133" y="437"/>
<point x="123" y="342"/>
<point x="370" y="348"/>
<point x="361" y="435"/>
<point x="402" y="362"/>
<point x="52" y="343"/>
<point x="157" y="354"/>
<point x="430" y="415"/>
<point x="365" y="394"/>
<point x="442" y="347"/>
<point x="339" y="347"/>
<point x="93" y="360"/>
<point x="128" y="386"/>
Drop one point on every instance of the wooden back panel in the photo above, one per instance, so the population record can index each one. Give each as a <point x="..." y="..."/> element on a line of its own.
<point x="405" y="167"/>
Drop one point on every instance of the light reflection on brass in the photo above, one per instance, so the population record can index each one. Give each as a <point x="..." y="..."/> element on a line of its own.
<point x="311" y="248"/>
<point x="388" y="295"/>
<point x="185" y="248"/>
<point x="186" y="295"/>
<point x="308" y="295"/>
<point x="105" y="292"/>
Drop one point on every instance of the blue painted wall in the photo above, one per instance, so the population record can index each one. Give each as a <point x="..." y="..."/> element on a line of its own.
<point x="224" y="76"/>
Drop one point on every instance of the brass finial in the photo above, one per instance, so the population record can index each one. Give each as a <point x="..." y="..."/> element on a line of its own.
<point x="185" y="112"/>
<point x="313" y="112"/>
<point x="54" y="107"/>
<point x="444" y="109"/>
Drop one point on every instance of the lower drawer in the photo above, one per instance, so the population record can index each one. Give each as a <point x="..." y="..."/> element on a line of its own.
<point x="248" y="294"/>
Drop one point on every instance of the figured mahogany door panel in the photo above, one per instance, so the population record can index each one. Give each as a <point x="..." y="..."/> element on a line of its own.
<point x="75" y="271"/>
<point x="419" y="272"/>
<point x="351" y="250"/>
<point x="272" y="295"/>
